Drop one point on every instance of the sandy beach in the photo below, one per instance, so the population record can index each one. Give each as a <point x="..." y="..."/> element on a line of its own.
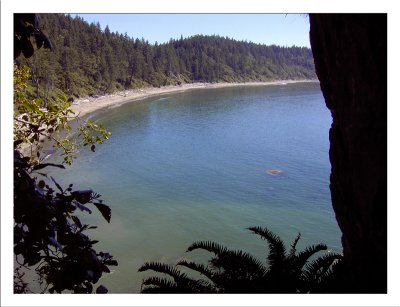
<point x="88" y="105"/>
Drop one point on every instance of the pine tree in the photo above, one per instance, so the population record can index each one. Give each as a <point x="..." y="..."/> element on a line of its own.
<point x="88" y="61"/>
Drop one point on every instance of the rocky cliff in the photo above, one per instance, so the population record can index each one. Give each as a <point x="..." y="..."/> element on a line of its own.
<point x="350" y="54"/>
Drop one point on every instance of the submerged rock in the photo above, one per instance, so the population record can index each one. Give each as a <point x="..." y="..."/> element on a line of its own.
<point x="273" y="171"/>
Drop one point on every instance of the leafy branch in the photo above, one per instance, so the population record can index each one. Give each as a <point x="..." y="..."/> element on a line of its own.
<point x="36" y="124"/>
<point x="50" y="239"/>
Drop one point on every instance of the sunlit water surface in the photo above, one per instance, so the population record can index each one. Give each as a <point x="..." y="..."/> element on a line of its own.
<point x="192" y="166"/>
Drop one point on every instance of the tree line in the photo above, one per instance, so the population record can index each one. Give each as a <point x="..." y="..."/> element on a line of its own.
<point x="88" y="60"/>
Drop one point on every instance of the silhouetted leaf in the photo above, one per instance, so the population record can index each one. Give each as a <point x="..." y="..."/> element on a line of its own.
<point x="105" y="269"/>
<point x="39" y="40"/>
<point x="27" y="48"/>
<point x="105" y="255"/>
<point x="111" y="262"/>
<point x="82" y="196"/>
<point x="76" y="221"/>
<point x="54" y="242"/>
<point x="104" y="210"/>
<point x="82" y="207"/>
<point x="43" y="165"/>
<point x="57" y="185"/>
<point x="101" y="290"/>
<point x="41" y="184"/>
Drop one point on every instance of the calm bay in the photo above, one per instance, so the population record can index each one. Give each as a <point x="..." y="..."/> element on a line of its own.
<point x="193" y="166"/>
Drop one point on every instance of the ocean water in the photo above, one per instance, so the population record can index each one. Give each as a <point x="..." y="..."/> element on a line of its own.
<point x="191" y="166"/>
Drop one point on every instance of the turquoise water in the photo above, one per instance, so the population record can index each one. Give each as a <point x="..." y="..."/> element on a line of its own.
<point x="192" y="166"/>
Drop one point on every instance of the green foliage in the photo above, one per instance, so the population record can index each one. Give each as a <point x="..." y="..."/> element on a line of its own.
<point x="35" y="123"/>
<point x="49" y="237"/>
<point x="88" y="61"/>
<point x="93" y="133"/>
<point x="239" y="272"/>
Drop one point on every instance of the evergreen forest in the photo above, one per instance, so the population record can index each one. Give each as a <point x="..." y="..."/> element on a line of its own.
<point x="86" y="60"/>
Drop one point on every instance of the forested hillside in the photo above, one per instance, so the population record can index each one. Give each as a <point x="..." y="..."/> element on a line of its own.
<point x="88" y="60"/>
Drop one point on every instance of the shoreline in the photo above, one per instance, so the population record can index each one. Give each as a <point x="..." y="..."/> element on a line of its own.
<point x="86" y="106"/>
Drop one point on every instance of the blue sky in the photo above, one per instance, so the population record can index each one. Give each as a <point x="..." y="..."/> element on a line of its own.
<point x="278" y="29"/>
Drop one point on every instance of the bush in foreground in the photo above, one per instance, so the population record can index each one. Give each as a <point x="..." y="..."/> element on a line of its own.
<point x="230" y="271"/>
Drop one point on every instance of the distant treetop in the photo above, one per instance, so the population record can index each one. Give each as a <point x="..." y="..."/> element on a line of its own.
<point x="88" y="61"/>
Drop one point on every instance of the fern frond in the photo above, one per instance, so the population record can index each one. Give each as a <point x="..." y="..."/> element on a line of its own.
<point x="198" y="268"/>
<point x="317" y="270"/>
<point x="242" y="262"/>
<point x="208" y="246"/>
<point x="159" y="282"/>
<point x="191" y="285"/>
<point x="292" y="252"/>
<point x="277" y="251"/>
<point x="181" y="282"/>
<point x="162" y="268"/>
<point x="302" y="257"/>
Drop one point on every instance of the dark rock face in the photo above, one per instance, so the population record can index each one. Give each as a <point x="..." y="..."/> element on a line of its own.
<point x="350" y="54"/>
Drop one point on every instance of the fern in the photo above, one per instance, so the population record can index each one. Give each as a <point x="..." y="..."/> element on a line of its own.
<point x="163" y="268"/>
<point x="212" y="247"/>
<point x="159" y="282"/>
<point x="235" y="271"/>
<point x="277" y="249"/>
<point x="181" y="283"/>
<point x="303" y="256"/>
<point x="320" y="268"/>
<point x="198" y="267"/>
<point x="239" y="262"/>
<point x="292" y="252"/>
